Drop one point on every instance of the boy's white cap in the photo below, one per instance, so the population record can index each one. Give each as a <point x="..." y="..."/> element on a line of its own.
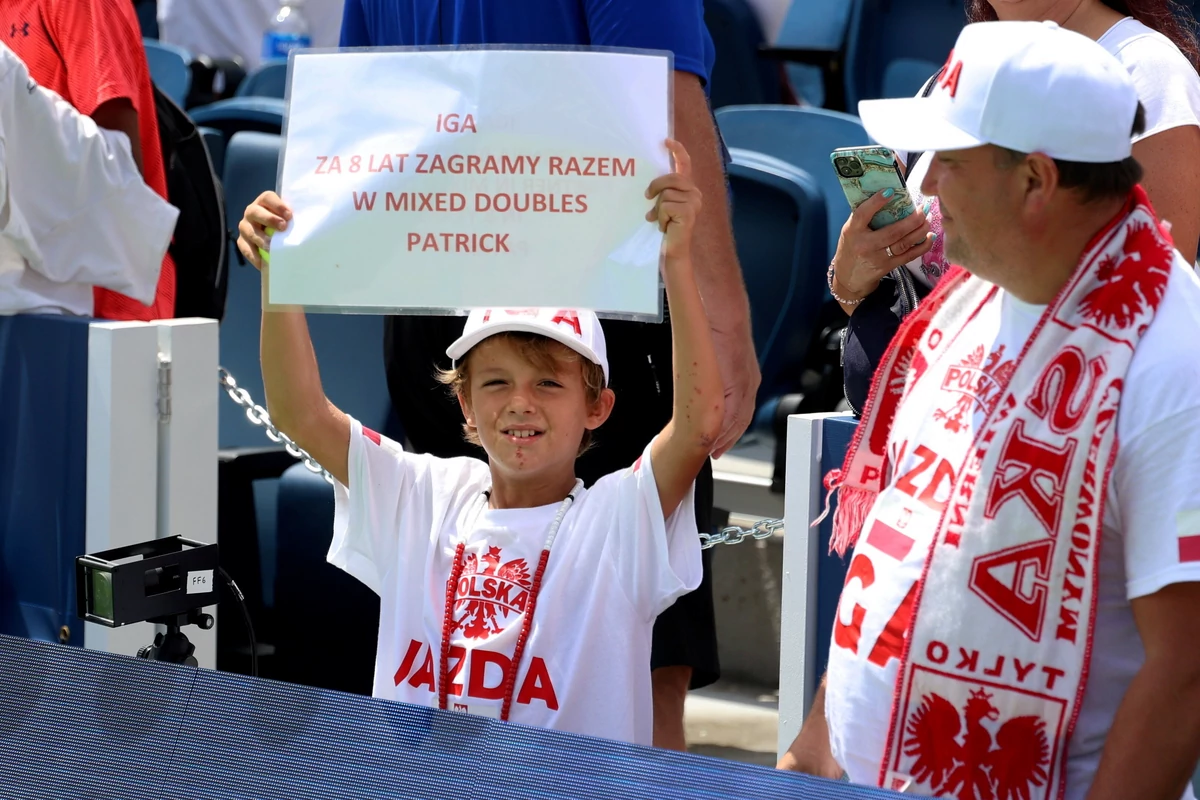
<point x="1032" y="87"/>
<point x="578" y="329"/>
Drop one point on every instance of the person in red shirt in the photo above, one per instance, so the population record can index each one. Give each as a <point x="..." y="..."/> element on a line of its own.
<point x="90" y="52"/>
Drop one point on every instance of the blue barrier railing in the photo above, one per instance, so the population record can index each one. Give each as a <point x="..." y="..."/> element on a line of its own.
<point x="81" y="723"/>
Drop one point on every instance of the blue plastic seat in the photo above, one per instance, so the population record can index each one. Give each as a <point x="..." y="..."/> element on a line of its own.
<point x="349" y="347"/>
<point x="170" y="69"/>
<point x="261" y="114"/>
<point x="905" y="77"/>
<point x="778" y="225"/>
<point x="804" y="138"/>
<point x="269" y="80"/>
<point x="739" y="74"/>
<point x="816" y="25"/>
<point x="214" y="140"/>
<point x="882" y="31"/>
<point x="331" y="642"/>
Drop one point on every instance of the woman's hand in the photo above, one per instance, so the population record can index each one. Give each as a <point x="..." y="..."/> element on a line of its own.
<point x="864" y="256"/>
<point x="254" y="239"/>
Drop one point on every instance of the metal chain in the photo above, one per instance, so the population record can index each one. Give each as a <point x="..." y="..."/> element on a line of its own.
<point x="259" y="416"/>
<point x="763" y="529"/>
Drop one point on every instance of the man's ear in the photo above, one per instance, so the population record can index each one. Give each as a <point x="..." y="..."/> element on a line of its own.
<point x="601" y="409"/>
<point x="1040" y="176"/>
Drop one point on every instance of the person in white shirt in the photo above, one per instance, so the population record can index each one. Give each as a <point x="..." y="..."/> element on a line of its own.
<point x="1019" y="613"/>
<point x="74" y="210"/>
<point x="507" y="589"/>
<point x="234" y="28"/>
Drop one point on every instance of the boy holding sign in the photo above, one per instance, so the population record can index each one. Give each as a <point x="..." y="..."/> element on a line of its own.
<point x="508" y="590"/>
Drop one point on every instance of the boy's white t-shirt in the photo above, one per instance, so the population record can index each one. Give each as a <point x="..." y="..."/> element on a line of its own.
<point x="1153" y="496"/>
<point x="614" y="567"/>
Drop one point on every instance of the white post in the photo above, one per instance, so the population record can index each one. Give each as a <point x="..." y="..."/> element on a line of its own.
<point x="187" y="446"/>
<point x="152" y="450"/>
<point x="804" y="498"/>
<point x="122" y="460"/>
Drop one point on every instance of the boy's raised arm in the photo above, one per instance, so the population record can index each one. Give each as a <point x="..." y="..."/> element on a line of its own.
<point x="292" y="380"/>
<point x="679" y="452"/>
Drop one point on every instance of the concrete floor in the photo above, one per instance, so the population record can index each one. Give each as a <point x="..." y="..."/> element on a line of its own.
<point x="733" y="721"/>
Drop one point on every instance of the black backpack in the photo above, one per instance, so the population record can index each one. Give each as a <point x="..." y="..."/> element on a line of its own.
<point x="200" y="245"/>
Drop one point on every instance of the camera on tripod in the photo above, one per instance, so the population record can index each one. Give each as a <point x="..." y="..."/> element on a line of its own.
<point x="165" y="581"/>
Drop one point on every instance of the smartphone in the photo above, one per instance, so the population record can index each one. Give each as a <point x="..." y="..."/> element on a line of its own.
<point x="863" y="171"/>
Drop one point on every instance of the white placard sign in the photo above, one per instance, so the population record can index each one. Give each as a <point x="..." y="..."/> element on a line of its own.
<point x="457" y="178"/>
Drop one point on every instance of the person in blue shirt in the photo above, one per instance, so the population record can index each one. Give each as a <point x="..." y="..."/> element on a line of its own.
<point x="684" y="647"/>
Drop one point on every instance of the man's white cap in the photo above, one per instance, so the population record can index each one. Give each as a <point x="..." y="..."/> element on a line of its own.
<point x="1032" y="87"/>
<point x="578" y="329"/>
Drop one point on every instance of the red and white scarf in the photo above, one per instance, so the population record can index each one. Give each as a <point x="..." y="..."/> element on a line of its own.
<point x="1010" y="579"/>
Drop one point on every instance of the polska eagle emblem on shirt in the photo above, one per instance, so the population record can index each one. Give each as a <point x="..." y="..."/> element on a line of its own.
<point x="490" y="594"/>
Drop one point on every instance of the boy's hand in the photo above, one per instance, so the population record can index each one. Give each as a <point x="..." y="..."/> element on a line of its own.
<point x="677" y="205"/>
<point x="263" y="217"/>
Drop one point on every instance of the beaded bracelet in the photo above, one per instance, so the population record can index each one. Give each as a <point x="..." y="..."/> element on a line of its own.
<point x="843" y="301"/>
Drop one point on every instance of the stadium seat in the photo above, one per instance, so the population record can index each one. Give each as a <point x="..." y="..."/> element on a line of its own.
<point x="816" y="26"/>
<point x="905" y="77"/>
<point x="215" y="142"/>
<point x="327" y="621"/>
<point x="251" y="166"/>
<point x="739" y="74"/>
<point x="169" y="69"/>
<point x="778" y="225"/>
<point x="260" y="114"/>
<point x="269" y="80"/>
<point x="349" y="347"/>
<point x="882" y="31"/>
<point x="804" y="138"/>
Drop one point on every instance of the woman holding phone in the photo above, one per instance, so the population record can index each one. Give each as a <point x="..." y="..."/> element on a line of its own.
<point x="1156" y="41"/>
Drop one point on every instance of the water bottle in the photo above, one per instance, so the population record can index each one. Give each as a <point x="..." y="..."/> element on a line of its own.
<point x="288" y="31"/>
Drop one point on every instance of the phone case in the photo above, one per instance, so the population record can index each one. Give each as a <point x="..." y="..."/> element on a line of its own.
<point x="879" y="173"/>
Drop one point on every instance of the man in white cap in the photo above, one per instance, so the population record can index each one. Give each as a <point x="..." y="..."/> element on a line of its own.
<point x="1019" y="618"/>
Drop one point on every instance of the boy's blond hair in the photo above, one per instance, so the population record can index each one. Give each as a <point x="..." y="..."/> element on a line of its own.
<point x="543" y="353"/>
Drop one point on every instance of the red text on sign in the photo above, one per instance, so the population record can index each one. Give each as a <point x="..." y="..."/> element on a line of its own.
<point x="592" y="167"/>
<point x="458" y="243"/>
<point x="453" y="123"/>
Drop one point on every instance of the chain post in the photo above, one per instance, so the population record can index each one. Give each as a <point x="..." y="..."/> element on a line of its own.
<point x="763" y="529"/>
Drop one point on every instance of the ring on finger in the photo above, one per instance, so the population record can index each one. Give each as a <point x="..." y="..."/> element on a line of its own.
<point x="888" y="250"/>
